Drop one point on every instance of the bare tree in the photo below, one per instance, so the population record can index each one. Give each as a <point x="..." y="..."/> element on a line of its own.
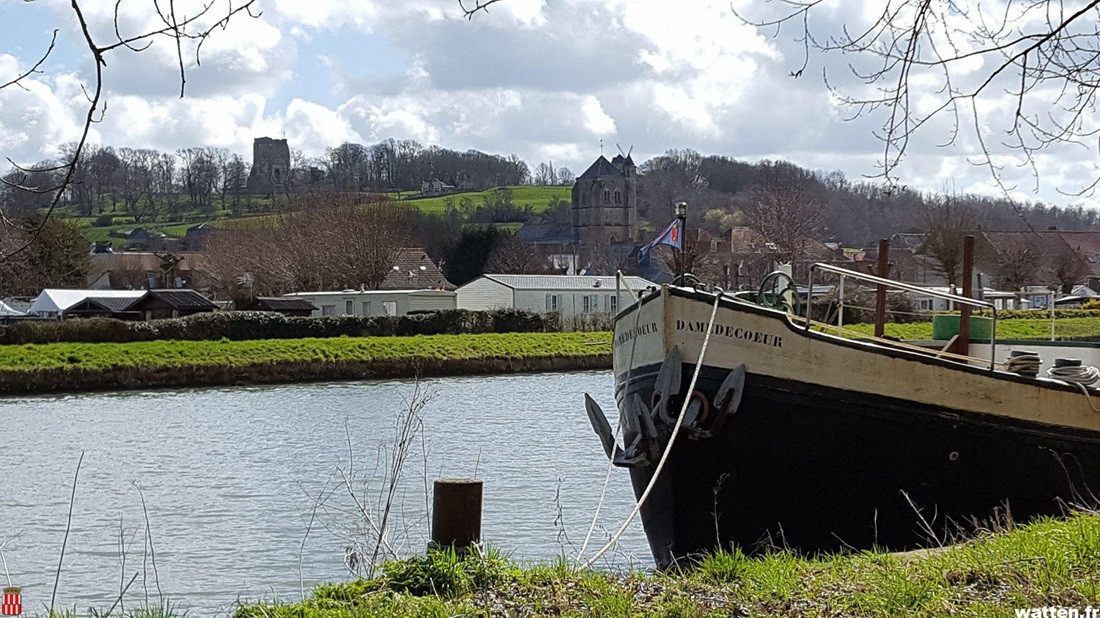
<point x="183" y="31"/>
<point x="946" y="223"/>
<point x="135" y="182"/>
<point x="512" y="256"/>
<point x="335" y="241"/>
<point x="200" y="176"/>
<point x="1017" y="266"/>
<point x="1069" y="268"/>
<point x="786" y="210"/>
<point x="958" y="60"/>
<point x="58" y="259"/>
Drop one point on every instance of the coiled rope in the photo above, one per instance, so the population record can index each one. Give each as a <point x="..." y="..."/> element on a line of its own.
<point x="1075" y="375"/>
<point x="1078" y="375"/>
<point x="1024" y="364"/>
<point x="668" y="447"/>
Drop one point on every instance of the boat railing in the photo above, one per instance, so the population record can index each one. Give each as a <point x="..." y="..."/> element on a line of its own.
<point x="900" y="285"/>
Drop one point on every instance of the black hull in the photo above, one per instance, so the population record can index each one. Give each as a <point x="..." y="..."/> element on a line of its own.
<point x="815" y="469"/>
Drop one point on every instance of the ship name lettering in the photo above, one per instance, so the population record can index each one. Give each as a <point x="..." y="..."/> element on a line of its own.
<point x="634" y="333"/>
<point x="722" y="330"/>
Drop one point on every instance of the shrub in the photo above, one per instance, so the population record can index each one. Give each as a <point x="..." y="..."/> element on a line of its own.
<point x="249" y="325"/>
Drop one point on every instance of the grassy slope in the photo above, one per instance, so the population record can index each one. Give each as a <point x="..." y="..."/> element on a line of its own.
<point x="1029" y="328"/>
<point x="1047" y="563"/>
<point x="161" y="354"/>
<point x="537" y="197"/>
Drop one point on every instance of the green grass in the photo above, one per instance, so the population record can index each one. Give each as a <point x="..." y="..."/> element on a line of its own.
<point x="1028" y="328"/>
<point x="149" y="355"/>
<point x="1047" y="563"/>
<point x="537" y="197"/>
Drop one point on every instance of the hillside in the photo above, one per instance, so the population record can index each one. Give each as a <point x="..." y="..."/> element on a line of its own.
<point x="536" y="199"/>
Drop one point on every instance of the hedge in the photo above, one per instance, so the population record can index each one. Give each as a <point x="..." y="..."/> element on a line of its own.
<point x="246" y="325"/>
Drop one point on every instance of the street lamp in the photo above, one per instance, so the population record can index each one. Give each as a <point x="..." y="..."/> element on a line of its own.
<point x="681" y="216"/>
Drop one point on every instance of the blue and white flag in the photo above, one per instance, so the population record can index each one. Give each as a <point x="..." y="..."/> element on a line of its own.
<point x="672" y="236"/>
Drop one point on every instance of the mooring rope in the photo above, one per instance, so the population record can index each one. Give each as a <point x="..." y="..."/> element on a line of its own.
<point x="1079" y="376"/>
<point x="618" y="425"/>
<point x="668" y="447"/>
<point x="1075" y="374"/>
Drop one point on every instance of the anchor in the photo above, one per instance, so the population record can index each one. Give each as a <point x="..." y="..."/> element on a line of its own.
<point x="644" y="443"/>
<point x="726" y="402"/>
<point x="668" y="384"/>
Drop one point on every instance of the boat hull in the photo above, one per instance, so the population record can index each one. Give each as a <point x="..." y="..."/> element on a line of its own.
<point x="814" y="468"/>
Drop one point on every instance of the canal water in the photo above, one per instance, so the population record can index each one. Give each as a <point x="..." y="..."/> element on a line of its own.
<point x="231" y="480"/>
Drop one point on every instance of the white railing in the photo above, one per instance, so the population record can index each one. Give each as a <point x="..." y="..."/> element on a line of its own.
<point x="962" y="300"/>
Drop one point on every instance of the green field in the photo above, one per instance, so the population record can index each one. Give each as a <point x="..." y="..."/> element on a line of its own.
<point x="1028" y="328"/>
<point x="1044" y="564"/>
<point x="538" y="198"/>
<point x="154" y="355"/>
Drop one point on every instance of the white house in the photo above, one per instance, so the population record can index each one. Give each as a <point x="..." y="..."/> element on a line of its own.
<point x="569" y="295"/>
<point x="52" y="303"/>
<point x="377" y="302"/>
<point x="1000" y="300"/>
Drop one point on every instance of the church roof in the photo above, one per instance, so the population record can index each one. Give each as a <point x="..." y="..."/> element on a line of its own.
<point x="602" y="167"/>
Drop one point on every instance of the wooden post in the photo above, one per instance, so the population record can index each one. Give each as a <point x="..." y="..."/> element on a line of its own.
<point x="456" y="513"/>
<point x="963" y="345"/>
<point x="880" y="294"/>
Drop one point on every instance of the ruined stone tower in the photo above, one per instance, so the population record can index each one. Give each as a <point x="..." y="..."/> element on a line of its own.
<point x="270" y="165"/>
<point x="605" y="203"/>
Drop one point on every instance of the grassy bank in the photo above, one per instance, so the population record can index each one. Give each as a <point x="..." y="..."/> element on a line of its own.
<point x="148" y="364"/>
<point x="1048" y="563"/>
<point x="1023" y="328"/>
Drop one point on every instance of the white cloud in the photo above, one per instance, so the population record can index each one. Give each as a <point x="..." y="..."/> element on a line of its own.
<point x="544" y="80"/>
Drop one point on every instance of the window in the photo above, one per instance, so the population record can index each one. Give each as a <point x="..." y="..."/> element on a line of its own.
<point x="591" y="303"/>
<point x="349" y="307"/>
<point x="618" y="197"/>
<point x="553" y="302"/>
<point x="925" y="305"/>
<point x="328" y="309"/>
<point x="612" y="304"/>
<point x="607" y="196"/>
<point x="366" y="308"/>
<point x="389" y="307"/>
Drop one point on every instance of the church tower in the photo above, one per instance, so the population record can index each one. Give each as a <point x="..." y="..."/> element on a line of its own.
<point x="605" y="203"/>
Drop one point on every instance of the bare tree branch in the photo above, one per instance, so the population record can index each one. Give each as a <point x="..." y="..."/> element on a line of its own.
<point x="919" y="60"/>
<point x="175" y="28"/>
<point x="479" y="5"/>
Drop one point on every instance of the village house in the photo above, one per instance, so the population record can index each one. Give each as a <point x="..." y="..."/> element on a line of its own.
<point x="569" y="295"/>
<point x="132" y="270"/>
<point x="413" y="270"/>
<point x="368" y="303"/>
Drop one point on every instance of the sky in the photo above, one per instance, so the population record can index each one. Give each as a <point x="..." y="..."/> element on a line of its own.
<point x="547" y="80"/>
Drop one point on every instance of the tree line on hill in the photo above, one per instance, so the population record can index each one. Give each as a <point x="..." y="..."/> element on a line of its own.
<point x="148" y="185"/>
<point x="785" y="203"/>
<point x="724" y="192"/>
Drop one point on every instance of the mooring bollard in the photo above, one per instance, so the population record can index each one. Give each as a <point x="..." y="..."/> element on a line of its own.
<point x="456" y="513"/>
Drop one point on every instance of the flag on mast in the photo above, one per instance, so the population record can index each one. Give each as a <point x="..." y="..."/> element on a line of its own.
<point x="672" y="236"/>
